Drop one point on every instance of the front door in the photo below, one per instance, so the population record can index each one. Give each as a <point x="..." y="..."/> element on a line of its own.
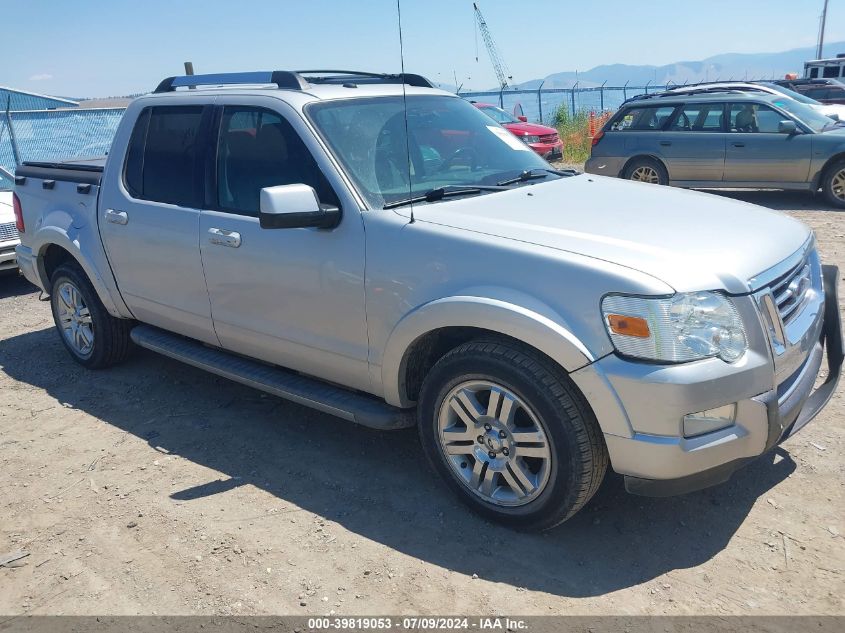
<point x="292" y="297"/>
<point x="149" y="219"/>
<point x="758" y="153"/>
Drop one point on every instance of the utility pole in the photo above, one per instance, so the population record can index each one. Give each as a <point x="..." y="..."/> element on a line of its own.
<point x="821" y="31"/>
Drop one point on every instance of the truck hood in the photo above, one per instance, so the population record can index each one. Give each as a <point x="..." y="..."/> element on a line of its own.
<point x="7" y="212"/>
<point x="689" y="240"/>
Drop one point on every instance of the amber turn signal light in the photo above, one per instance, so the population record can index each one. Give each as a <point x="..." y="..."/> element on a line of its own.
<point x="628" y="325"/>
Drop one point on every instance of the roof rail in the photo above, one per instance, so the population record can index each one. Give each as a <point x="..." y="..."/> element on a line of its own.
<point x="282" y="78"/>
<point x="290" y="79"/>
<point x="349" y="76"/>
<point x="680" y="92"/>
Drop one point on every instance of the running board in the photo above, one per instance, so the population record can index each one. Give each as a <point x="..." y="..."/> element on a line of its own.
<point x="355" y="407"/>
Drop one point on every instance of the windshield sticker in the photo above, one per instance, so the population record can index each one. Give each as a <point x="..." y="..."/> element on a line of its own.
<point x="509" y="139"/>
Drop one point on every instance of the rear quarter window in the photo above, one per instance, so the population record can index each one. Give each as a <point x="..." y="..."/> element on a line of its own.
<point x="642" y="118"/>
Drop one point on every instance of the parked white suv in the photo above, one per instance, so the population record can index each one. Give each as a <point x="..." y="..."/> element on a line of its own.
<point x="385" y="252"/>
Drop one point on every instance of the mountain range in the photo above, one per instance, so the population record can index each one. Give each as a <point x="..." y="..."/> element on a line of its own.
<point x="719" y="67"/>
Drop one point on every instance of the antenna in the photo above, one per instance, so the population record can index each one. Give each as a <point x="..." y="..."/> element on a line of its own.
<point x="405" y="105"/>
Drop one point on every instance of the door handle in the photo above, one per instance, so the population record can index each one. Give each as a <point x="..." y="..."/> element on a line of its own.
<point x="231" y="239"/>
<point x="116" y="217"/>
<point x="738" y="144"/>
<point x="665" y="143"/>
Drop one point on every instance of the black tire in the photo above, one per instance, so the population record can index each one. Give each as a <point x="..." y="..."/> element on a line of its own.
<point x="644" y="163"/>
<point x="111" y="343"/>
<point x="578" y="453"/>
<point x="835" y="175"/>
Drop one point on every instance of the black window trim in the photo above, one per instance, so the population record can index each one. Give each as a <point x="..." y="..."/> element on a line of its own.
<point x="724" y="123"/>
<point x="202" y="152"/>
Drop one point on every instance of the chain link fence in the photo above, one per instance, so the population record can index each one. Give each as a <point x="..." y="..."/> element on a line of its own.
<point x="50" y="135"/>
<point x="541" y="105"/>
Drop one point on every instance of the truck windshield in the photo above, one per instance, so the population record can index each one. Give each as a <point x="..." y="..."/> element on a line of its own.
<point x="450" y="143"/>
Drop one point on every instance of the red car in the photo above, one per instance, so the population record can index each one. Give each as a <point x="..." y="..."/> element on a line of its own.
<point x="543" y="140"/>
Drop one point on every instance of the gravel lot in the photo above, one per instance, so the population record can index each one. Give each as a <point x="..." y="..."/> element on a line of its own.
<point x="157" y="488"/>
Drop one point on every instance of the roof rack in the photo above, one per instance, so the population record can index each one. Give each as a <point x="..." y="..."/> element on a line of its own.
<point x="290" y="79"/>
<point x="683" y="93"/>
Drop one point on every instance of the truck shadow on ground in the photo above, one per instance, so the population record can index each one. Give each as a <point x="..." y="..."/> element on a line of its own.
<point x="378" y="484"/>
<point x="13" y="284"/>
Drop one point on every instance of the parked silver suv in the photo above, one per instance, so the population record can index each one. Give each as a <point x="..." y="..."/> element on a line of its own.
<point x="388" y="254"/>
<point x="723" y="139"/>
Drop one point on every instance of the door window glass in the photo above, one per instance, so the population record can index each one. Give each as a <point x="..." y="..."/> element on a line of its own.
<point x="752" y="117"/>
<point x="642" y="118"/>
<point x="258" y="148"/>
<point x="163" y="158"/>
<point x="830" y="72"/>
<point x="699" y="117"/>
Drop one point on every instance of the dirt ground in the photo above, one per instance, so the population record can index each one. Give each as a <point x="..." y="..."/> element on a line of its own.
<point x="155" y="488"/>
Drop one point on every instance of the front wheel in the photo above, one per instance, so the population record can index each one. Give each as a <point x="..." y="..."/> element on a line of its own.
<point x="510" y="434"/>
<point x="833" y="184"/>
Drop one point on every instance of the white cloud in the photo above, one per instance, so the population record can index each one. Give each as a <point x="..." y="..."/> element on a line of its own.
<point x="41" y="77"/>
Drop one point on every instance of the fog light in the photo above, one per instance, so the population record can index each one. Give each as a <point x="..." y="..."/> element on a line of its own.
<point x="709" y="421"/>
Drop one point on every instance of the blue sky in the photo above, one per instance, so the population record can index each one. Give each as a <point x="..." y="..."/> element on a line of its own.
<point x="112" y="47"/>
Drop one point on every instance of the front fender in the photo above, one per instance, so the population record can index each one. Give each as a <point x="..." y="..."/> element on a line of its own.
<point x="540" y="328"/>
<point x="83" y="244"/>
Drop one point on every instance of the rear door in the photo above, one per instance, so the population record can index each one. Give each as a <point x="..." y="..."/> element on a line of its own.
<point x="694" y="143"/>
<point x="636" y="131"/>
<point x="149" y="219"/>
<point x="758" y="153"/>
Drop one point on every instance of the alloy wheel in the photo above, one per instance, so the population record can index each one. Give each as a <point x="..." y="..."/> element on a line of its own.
<point x="75" y="319"/>
<point x="646" y="174"/>
<point x="494" y="443"/>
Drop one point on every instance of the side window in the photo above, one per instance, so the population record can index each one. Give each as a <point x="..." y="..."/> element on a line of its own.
<point x="258" y="148"/>
<point x="830" y="72"/>
<point x="699" y="117"/>
<point x="814" y="72"/>
<point x="163" y="158"/>
<point x="642" y="118"/>
<point x="816" y="93"/>
<point x="751" y="117"/>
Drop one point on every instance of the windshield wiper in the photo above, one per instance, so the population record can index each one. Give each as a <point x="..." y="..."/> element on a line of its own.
<point x="449" y="191"/>
<point x="535" y="174"/>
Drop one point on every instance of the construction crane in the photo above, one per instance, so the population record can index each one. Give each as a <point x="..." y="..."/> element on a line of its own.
<point x="499" y="65"/>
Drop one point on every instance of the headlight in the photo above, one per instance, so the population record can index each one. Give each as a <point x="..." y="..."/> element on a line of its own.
<point x="530" y="139"/>
<point x="676" y="329"/>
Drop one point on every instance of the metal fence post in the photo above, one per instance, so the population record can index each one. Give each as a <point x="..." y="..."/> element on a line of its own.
<point x="573" y="99"/>
<point x="601" y="94"/>
<point x="646" y="86"/>
<point x="625" y="92"/>
<point x="15" y="151"/>
<point x="540" y="99"/>
<point x="501" y="98"/>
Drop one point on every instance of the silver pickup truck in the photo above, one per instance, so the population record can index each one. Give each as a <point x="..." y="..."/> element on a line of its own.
<point x="382" y="251"/>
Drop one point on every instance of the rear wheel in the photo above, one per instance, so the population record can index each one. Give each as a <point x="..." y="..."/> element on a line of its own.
<point x="646" y="170"/>
<point x="94" y="338"/>
<point x="833" y="184"/>
<point x="510" y="434"/>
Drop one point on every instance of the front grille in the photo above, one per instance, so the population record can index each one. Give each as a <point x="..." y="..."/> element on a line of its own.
<point x="8" y="231"/>
<point x="790" y="290"/>
<point x="549" y="138"/>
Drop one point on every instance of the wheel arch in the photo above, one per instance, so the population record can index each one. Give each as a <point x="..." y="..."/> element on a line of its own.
<point x="54" y="248"/>
<point x="822" y="173"/>
<point x="424" y="335"/>
<point x="637" y="157"/>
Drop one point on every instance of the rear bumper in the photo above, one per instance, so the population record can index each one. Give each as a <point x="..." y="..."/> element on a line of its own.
<point x="26" y="262"/>
<point x="780" y="417"/>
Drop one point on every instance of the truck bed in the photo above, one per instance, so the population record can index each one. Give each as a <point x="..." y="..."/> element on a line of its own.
<point x="87" y="171"/>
